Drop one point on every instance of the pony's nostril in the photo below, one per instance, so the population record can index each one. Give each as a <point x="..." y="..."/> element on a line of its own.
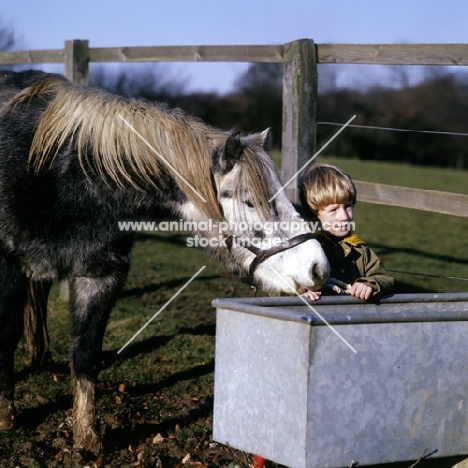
<point x="319" y="273"/>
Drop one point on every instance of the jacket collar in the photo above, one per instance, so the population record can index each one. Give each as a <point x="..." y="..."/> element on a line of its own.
<point x="351" y="239"/>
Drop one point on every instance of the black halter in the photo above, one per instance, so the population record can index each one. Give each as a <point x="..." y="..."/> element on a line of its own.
<point x="261" y="255"/>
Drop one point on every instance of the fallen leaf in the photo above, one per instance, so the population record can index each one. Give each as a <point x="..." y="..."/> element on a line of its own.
<point x="122" y="388"/>
<point x="158" y="439"/>
<point x="186" y="458"/>
<point x="117" y="399"/>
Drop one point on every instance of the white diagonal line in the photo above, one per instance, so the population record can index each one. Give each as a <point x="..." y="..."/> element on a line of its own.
<point x="148" y="144"/>
<point x="161" y="309"/>
<point x="315" y="312"/>
<point x="312" y="158"/>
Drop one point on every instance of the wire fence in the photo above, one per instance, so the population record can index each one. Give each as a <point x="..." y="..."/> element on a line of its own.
<point x="390" y="129"/>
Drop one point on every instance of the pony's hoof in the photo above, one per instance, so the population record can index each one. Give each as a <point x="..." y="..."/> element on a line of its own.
<point x="6" y="414"/>
<point x="90" y="442"/>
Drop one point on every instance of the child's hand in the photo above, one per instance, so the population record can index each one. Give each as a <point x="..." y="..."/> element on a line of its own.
<point x="314" y="295"/>
<point x="361" y="290"/>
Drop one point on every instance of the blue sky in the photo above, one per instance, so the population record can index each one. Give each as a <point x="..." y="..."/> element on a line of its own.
<point x="46" y="24"/>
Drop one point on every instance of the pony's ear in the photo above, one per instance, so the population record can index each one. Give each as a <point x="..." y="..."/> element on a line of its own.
<point x="225" y="159"/>
<point x="267" y="139"/>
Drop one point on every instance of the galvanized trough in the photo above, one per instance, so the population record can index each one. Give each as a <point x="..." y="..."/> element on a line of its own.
<point x="376" y="384"/>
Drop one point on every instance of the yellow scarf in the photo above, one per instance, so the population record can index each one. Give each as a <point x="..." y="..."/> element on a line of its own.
<point x="353" y="239"/>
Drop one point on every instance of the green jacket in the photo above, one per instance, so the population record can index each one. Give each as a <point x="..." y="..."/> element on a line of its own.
<point x="351" y="260"/>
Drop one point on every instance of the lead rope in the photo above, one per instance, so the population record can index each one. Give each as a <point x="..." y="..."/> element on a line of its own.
<point x="339" y="287"/>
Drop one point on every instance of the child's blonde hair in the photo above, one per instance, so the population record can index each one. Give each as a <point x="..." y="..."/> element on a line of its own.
<point x="323" y="185"/>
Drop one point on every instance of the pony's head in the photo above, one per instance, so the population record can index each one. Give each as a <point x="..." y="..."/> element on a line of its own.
<point x="263" y="235"/>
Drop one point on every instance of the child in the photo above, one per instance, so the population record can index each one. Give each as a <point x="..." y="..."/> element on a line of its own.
<point x="329" y="195"/>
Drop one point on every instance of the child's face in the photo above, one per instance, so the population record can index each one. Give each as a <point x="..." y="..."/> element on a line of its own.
<point x="336" y="218"/>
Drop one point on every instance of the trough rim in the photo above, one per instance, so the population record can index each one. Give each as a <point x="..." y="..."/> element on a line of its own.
<point x="347" y="310"/>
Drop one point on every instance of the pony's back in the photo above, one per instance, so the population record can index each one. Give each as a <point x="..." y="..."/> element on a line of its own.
<point x="11" y="83"/>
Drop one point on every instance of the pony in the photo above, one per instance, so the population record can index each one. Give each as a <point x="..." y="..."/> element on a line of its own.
<point x="76" y="161"/>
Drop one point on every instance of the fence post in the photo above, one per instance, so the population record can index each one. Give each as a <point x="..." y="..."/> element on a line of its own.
<point x="76" y="61"/>
<point x="299" y="110"/>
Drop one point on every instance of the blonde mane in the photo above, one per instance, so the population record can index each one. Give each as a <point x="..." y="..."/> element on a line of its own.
<point x="97" y="124"/>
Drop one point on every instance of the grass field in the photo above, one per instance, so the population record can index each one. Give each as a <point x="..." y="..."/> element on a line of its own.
<point x="155" y="399"/>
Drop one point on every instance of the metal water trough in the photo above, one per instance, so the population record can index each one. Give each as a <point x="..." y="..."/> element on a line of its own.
<point x="289" y="389"/>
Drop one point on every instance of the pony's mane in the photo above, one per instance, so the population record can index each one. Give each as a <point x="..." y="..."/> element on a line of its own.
<point x="97" y="124"/>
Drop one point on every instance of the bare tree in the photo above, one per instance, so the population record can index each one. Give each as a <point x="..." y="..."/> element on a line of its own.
<point x="8" y="40"/>
<point x="154" y="82"/>
<point x="262" y="85"/>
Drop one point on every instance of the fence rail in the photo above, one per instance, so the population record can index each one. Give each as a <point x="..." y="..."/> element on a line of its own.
<point x="300" y="59"/>
<point x="394" y="54"/>
<point x="383" y="54"/>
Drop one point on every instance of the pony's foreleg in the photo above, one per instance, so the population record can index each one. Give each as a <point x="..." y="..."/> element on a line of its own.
<point x="12" y="298"/>
<point x="92" y="300"/>
<point x="35" y="322"/>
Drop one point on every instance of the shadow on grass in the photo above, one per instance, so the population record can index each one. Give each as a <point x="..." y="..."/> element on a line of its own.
<point x="52" y="366"/>
<point x="119" y="438"/>
<point x="32" y="418"/>
<point x="189" y="374"/>
<point x="384" y="249"/>
<point x="156" y="285"/>
<point x="133" y="350"/>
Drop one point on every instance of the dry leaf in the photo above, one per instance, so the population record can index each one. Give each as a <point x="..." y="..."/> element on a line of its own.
<point x="122" y="388"/>
<point x="54" y="377"/>
<point x="158" y="439"/>
<point x="186" y="458"/>
<point x="117" y="399"/>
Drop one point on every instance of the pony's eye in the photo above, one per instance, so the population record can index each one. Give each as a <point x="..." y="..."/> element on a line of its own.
<point x="248" y="203"/>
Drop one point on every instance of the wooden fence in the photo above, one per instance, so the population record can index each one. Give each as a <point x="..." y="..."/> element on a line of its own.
<point x="300" y="59"/>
